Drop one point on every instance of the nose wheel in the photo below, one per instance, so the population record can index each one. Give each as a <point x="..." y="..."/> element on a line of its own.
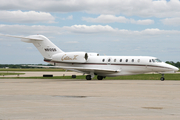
<point x="162" y="78"/>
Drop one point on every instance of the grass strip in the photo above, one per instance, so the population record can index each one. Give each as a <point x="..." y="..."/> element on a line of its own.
<point x="1" y="74"/>
<point x="130" y="77"/>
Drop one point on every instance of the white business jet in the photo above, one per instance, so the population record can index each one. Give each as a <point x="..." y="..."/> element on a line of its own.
<point x="92" y="64"/>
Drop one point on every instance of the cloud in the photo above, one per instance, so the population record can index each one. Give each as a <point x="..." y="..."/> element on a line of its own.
<point x="88" y="29"/>
<point x="142" y="22"/>
<point x="29" y="30"/>
<point x="171" y="21"/>
<point x="119" y="19"/>
<point x="142" y="8"/>
<point x="81" y="29"/>
<point x="106" y="19"/>
<point x="68" y="18"/>
<point x="99" y="29"/>
<point x="26" y="17"/>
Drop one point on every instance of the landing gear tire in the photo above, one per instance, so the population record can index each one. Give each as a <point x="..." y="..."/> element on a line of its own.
<point x="162" y="78"/>
<point x="100" y="77"/>
<point x="88" y="77"/>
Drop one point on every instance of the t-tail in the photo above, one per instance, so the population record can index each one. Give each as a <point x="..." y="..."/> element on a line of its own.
<point x="42" y="43"/>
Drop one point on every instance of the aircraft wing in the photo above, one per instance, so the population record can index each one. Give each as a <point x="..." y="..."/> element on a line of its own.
<point x="95" y="70"/>
<point x="82" y="69"/>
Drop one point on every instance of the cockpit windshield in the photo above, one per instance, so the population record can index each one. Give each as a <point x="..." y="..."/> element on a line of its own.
<point x="157" y="60"/>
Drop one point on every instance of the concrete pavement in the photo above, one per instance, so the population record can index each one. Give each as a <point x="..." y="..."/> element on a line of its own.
<point x="52" y="99"/>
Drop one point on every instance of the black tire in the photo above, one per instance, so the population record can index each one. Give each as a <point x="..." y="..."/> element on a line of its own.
<point x="88" y="77"/>
<point x="100" y="77"/>
<point x="73" y="76"/>
<point x="162" y="78"/>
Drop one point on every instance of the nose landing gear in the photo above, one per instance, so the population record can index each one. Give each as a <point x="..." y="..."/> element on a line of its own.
<point x="162" y="78"/>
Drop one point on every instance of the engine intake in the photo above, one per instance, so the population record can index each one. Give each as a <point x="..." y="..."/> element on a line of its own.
<point x="80" y="57"/>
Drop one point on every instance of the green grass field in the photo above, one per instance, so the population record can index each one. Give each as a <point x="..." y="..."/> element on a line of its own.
<point x="1" y="74"/>
<point x="130" y="77"/>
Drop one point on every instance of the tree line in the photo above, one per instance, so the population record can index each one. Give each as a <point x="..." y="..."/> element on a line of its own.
<point x="177" y="64"/>
<point x="22" y="65"/>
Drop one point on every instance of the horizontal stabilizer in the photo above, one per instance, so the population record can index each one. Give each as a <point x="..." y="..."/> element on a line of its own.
<point x="32" y="37"/>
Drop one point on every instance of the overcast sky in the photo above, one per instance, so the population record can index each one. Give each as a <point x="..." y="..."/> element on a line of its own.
<point x="108" y="27"/>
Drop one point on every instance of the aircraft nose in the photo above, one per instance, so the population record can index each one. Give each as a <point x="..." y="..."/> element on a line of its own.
<point x="176" y="69"/>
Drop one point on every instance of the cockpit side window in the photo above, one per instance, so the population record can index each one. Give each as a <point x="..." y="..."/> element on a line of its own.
<point x="150" y="60"/>
<point x="153" y="60"/>
<point x="157" y="60"/>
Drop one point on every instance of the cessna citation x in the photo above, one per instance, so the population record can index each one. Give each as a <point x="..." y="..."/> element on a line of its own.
<point x="92" y="64"/>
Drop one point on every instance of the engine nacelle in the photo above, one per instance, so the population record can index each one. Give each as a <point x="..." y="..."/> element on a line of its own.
<point x="72" y="57"/>
<point x="93" y="54"/>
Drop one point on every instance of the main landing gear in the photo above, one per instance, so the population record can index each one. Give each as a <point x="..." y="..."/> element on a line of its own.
<point x="88" y="77"/>
<point x="100" y="77"/>
<point x="162" y="78"/>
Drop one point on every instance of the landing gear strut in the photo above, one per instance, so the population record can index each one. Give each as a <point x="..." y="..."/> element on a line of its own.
<point x="162" y="78"/>
<point x="91" y="76"/>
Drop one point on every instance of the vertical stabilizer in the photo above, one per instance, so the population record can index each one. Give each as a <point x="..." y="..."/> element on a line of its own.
<point x="43" y="44"/>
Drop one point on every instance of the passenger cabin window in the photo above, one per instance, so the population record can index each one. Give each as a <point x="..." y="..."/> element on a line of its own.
<point x="120" y="60"/>
<point x="132" y="60"/>
<point x="138" y="60"/>
<point x="114" y="60"/>
<point x="109" y="60"/>
<point x="126" y="60"/>
<point x="103" y="60"/>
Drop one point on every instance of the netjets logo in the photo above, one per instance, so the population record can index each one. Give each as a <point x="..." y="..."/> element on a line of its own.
<point x="50" y="49"/>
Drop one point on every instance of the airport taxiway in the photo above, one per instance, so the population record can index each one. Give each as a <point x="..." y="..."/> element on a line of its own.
<point x="52" y="99"/>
